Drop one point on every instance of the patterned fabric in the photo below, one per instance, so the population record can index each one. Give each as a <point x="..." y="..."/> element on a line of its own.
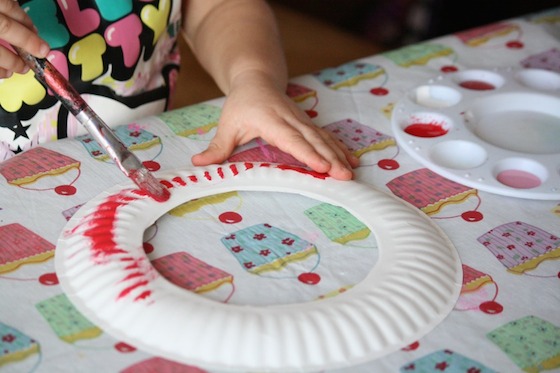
<point x="531" y="342"/>
<point x="256" y="248"/>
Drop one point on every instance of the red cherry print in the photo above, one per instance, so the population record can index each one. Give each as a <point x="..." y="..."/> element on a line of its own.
<point x="48" y="279"/>
<point x="491" y="307"/>
<point x="230" y="217"/>
<point x="449" y="69"/>
<point x="124" y="348"/>
<point x="311" y="113"/>
<point x="151" y="165"/>
<point x="309" y="278"/>
<point x="65" y="190"/>
<point x="379" y="91"/>
<point x="388" y="164"/>
<point x="514" y="44"/>
<point x="411" y="347"/>
<point x="148" y="247"/>
<point x="472" y="216"/>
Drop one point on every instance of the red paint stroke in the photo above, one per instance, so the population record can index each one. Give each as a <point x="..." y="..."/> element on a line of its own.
<point x="100" y="232"/>
<point x="135" y="286"/>
<point x="318" y="175"/>
<point x="147" y="186"/>
<point x="179" y="181"/>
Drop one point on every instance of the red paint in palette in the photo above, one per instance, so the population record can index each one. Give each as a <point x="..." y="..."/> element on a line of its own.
<point x="477" y="85"/>
<point x="430" y="129"/>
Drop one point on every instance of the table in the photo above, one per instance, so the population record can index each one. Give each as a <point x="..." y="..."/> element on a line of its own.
<point x="506" y="318"/>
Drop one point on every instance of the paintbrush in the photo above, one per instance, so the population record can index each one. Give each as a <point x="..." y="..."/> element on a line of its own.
<point x="127" y="162"/>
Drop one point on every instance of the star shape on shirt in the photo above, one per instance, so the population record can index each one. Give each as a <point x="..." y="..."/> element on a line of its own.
<point x="19" y="130"/>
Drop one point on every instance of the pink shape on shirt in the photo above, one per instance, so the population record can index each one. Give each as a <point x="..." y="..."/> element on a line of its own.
<point x="125" y="33"/>
<point x="79" y="22"/>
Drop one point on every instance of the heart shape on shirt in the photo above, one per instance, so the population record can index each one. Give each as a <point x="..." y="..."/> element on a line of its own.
<point x="80" y="22"/>
<point x="156" y="18"/>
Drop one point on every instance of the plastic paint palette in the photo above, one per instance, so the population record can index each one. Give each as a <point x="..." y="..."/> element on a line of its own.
<point x="495" y="130"/>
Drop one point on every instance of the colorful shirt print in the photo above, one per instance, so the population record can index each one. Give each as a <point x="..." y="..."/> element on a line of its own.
<point x="120" y="55"/>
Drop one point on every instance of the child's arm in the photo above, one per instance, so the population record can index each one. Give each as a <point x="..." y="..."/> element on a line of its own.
<point x="237" y="41"/>
<point x="17" y="29"/>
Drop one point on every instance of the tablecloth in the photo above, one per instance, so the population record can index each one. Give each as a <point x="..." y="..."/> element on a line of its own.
<point x="505" y="320"/>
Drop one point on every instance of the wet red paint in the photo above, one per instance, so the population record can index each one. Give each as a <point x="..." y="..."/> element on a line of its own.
<point x="477" y="85"/>
<point x="411" y="347"/>
<point x="150" y="186"/>
<point x="234" y="169"/>
<point x="100" y="231"/>
<point x="432" y="129"/>
<point x="449" y="69"/>
<point x="100" y="227"/>
<point x="302" y="170"/>
<point x="179" y="181"/>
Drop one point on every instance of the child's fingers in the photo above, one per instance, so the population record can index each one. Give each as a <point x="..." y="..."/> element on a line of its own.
<point x="12" y="9"/>
<point x="16" y="28"/>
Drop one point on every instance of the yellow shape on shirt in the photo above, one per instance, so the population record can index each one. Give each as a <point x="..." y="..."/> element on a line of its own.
<point x="20" y="88"/>
<point x="88" y="52"/>
<point x="156" y="18"/>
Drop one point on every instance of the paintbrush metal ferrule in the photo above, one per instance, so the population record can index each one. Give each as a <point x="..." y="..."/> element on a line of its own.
<point x="127" y="162"/>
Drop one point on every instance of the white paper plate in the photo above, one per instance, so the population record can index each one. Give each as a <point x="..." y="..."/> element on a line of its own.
<point x="105" y="273"/>
<point x="494" y="130"/>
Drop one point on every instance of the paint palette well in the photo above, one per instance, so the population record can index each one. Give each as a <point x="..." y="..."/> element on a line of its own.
<point x="494" y="130"/>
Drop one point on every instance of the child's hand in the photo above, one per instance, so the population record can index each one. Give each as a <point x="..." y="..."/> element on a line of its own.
<point x="256" y="108"/>
<point x="17" y="29"/>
